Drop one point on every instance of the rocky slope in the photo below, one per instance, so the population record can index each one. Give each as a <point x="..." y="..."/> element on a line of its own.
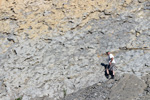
<point x="51" y="46"/>
<point x="127" y="87"/>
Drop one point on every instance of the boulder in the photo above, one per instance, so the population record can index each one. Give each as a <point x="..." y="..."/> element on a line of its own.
<point x="128" y="88"/>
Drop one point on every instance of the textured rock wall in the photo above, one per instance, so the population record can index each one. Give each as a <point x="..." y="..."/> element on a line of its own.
<point x="51" y="46"/>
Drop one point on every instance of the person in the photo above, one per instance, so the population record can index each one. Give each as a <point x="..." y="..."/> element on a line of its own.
<point x="111" y="64"/>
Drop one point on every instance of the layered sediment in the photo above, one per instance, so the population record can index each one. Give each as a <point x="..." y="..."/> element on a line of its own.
<point x="52" y="47"/>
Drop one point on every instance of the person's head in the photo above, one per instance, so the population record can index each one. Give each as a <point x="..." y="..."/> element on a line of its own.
<point x="107" y="52"/>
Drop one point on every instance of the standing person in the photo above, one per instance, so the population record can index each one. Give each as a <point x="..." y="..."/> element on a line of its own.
<point x="111" y="64"/>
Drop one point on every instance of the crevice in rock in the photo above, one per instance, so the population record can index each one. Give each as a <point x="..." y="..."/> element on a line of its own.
<point x="48" y="40"/>
<point x="11" y="40"/>
<point x="77" y="26"/>
<point x="85" y="17"/>
<point x="125" y="48"/>
<point x="15" y="52"/>
<point x="10" y="18"/>
<point x="7" y="33"/>
<point x="133" y="71"/>
<point x="28" y="58"/>
<point x="106" y="13"/>
<point x="89" y="32"/>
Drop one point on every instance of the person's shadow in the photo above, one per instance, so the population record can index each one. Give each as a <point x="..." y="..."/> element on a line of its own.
<point x="110" y="72"/>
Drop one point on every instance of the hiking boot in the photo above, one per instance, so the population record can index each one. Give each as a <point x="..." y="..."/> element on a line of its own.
<point x="107" y="76"/>
<point x="112" y="77"/>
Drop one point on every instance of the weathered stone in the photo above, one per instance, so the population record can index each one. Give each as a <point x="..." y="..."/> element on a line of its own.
<point x="129" y="84"/>
<point x="46" y="46"/>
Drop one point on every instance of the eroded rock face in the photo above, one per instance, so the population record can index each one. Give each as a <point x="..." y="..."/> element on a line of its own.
<point x="48" y="46"/>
